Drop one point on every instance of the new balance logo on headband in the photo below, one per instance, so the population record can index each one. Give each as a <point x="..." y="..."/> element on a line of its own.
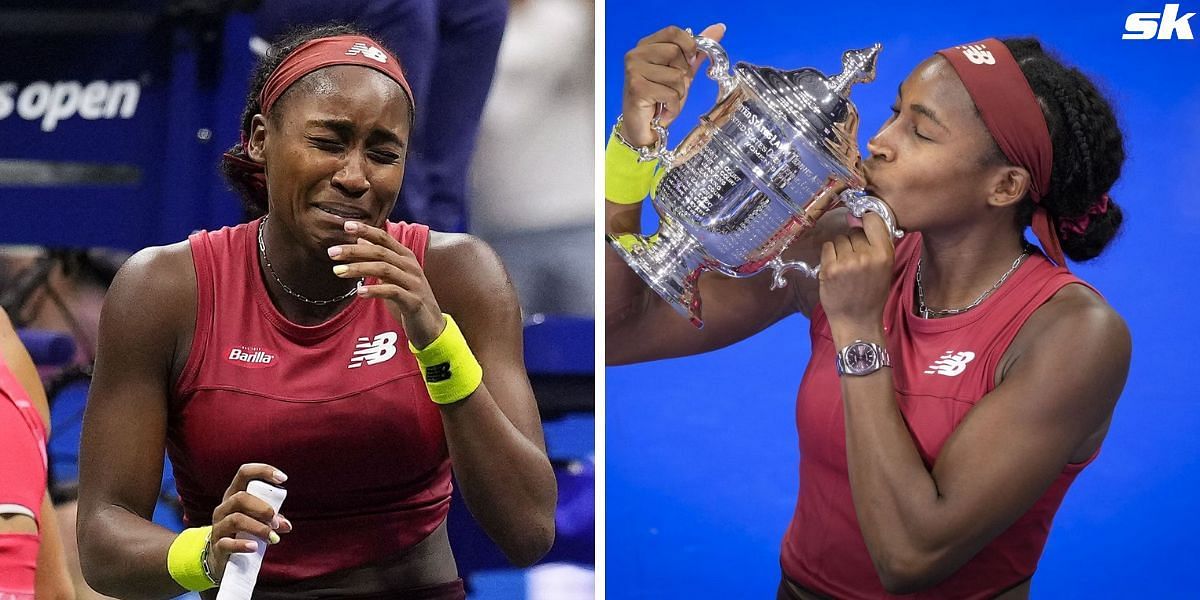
<point x="977" y="54"/>
<point x="370" y="52"/>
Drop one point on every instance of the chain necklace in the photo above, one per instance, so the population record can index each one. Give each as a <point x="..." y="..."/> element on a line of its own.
<point x="262" y="251"/>
<point x="933" y="313"/>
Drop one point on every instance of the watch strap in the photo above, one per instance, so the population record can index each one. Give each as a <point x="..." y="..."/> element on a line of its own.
<point x="882" y="359"/>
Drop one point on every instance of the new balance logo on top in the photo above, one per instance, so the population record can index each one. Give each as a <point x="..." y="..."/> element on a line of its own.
<point x="370" y="52"/>
<point x="252" y="358"/>
<point x="374" y="351"/>
<point x="1143" y="26"/>
<point x="977" y="54"/>
<point x="951" y="364"/>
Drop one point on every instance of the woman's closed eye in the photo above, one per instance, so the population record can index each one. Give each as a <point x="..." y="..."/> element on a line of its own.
<point x="915" y="131"/>
<point x="327" y="144"/>
<point x="386" y="157"/>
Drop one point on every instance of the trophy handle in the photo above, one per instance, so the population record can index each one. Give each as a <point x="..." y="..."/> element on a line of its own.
<point x="860" y="203"/>
<point x="718" y="71"/>
<point x="718" y="67"/>
<point x="780" y="267"/>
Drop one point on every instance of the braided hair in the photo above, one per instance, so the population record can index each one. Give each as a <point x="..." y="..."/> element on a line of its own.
<point x="237" y="168"/>
<point x="1089" y="151"/>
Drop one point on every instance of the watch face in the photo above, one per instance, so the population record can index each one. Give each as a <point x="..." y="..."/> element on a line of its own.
<point x="859" y="357"/>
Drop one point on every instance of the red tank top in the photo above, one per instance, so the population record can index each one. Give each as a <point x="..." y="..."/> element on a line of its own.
<point x="339" y="407"/>
<point x="22" y="483"/>
<point x="942" y="367"/>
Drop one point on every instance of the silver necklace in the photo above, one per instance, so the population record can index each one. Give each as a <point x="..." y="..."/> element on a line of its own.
<point x="933" y="313"/>
<point x="262" y="250"/>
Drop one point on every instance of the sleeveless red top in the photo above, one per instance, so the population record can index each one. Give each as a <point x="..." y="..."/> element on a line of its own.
<point x="339" y="407"/>
<point x="22" y="483"/>
<point x="941" y="368"/>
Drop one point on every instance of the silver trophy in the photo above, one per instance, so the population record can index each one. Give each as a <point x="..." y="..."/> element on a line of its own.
<point x="776" y="152"/>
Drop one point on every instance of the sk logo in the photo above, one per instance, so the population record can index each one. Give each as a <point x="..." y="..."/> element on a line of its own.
<point x="1168" y="24"/>
<point x="978" y="54"/>
<point x="370" y="52"/>
<point x="374" y="351"/>
<point x="951" y="364"/>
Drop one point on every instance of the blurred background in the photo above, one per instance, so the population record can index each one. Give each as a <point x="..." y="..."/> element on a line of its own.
<point x="112" y="119"/>
<point x="701" y="452"/>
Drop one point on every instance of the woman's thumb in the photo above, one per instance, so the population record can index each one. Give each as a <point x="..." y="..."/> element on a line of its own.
<point x="713" y="32"/>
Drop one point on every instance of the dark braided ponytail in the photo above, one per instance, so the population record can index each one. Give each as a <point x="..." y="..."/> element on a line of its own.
<point x="242" y="174"/>
<point x="1088" y="152"/>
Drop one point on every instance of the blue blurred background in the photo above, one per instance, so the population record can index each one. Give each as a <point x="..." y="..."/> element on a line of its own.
<point x="701" y="458"/>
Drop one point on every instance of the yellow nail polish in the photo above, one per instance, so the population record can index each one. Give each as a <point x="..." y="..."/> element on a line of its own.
<point x="340" y="270"/>
<point x="273" y="538"/>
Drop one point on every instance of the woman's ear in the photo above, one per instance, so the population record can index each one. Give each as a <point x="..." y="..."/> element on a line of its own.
<point x="1009" y="186"/>
<point x="258" y="138"/>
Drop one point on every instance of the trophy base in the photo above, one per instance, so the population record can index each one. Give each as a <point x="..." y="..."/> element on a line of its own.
<point x="670" y="262"/>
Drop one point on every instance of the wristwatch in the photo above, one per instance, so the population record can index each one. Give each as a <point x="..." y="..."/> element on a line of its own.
<point x="862" y="358"/>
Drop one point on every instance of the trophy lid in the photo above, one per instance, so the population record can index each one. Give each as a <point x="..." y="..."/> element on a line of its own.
<point x="819" y="106"/>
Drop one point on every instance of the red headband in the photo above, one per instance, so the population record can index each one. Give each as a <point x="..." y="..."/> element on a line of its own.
<point x="325" y="52"/>
<point x="1013" y="116"/>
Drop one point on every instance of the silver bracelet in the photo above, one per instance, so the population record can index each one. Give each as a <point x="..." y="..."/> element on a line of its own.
<point x="204" y="559"/>
<point x="645" y="153"/>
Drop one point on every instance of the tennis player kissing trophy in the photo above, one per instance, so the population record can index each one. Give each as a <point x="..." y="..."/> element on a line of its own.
<point x="776" y="151"/>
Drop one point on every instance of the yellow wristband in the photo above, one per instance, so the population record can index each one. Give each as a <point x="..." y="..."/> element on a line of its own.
<point x="626" y="181"/>
<point x="448" y="367"/>
<point x="185" y="559"/>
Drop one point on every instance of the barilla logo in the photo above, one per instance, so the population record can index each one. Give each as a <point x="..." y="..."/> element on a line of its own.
<point x="52" y="103"/>
<point x="978" y="54"/>
<point x="370" y="52"/>
<point x="252" y="358"/>
<point x="1167" y="25"/>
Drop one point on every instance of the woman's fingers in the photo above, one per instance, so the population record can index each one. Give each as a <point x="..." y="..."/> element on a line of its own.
<point x="383" y="271"/>
<point x="365" y="251"/>
<point x="251" y="471"/>
<point x="877" y="232"/>
<point x="238" y="522"/>
<point x="223" y="547"/>
<point x="225" y="541"/>
<point x="660" y="84"/>
<point x="657" y="72"/>
<point x="858" y="240"/>
<point x="665" y="46"/>
<point x="246" y="503"/>
<point x="377" y="236"/>
<point x="219" y="550"/>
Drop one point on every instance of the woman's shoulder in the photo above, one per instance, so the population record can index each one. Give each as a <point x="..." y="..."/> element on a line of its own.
<point x="156" y="268"/>
<point x="1079" y="307"/>
<point x="463" y="269"/>
<point x="156" y="283"/>
<point x="468" y="253"/>
<point x="1074" y="321"/>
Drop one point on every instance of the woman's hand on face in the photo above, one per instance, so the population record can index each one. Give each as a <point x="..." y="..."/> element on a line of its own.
<point x="856" y="274"/>
<point x="401" y="280"/>
<point x="659" y="70"/>
<point x="239" y="512"/>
